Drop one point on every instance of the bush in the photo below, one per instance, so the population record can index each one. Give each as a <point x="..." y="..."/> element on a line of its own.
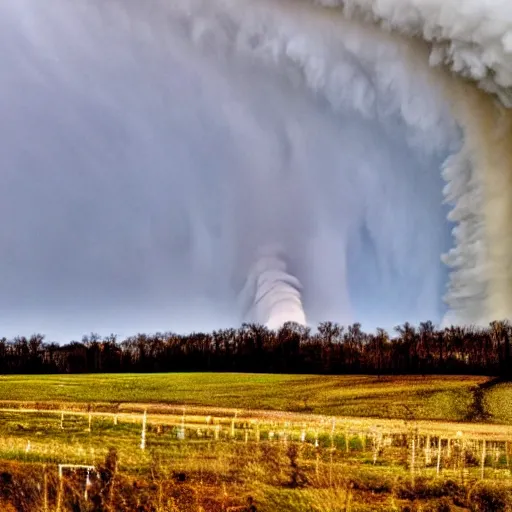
<point x="20" y="486"/>
<point x="428" y="489"/>
<point x="444" y="506"/>
<point x="373" y="483"/>
<point x="297" y="476"/>
<point x="490" y="498"/>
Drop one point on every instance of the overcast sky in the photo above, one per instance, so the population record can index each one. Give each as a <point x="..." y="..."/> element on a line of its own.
<point x="137" y="178"/>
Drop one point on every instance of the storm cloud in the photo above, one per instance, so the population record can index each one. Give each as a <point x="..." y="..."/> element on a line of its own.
<point x="190" y="165"/>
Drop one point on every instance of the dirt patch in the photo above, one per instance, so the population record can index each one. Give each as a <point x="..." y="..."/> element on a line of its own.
<point x="477" y="410"/>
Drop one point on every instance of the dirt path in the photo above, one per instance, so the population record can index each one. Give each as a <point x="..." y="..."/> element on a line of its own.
<point x="477" y="411"/>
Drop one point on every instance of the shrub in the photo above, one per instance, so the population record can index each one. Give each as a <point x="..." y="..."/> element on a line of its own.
<point x="444" y="506"/>
<point x="490" y="498"/>
<point x="428" y="489"/>
<point x="373" y="483"/>
<point x="297" y="477"/>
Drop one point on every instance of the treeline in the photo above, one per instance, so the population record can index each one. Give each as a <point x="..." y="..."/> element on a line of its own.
<point x="331" y="349"/>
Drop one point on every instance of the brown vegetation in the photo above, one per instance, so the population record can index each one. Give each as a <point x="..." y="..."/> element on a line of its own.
<point x="330" y="469"/>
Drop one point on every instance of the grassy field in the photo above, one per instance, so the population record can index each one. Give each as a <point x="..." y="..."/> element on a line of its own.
<point x="437" y="398"/>
<point x="344" y="466"/>
<point x="213" y="439"/>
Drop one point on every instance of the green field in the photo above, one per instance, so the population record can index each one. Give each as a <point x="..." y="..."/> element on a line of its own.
<point x="438" y="398"/>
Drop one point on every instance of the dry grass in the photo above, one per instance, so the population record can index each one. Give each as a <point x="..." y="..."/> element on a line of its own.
<point x="357" y="463"/>
<point x="340" y="464"/>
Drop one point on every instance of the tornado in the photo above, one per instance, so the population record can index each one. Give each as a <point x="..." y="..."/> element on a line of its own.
<point x="275" y="294"/>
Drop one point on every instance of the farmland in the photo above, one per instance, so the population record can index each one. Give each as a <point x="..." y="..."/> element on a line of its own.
<point x="204" y="442"/>
<point x="441" y="398"/>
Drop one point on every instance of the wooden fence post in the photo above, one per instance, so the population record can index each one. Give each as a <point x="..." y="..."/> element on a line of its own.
<point x="482" y="469"/>
<point x="413" y="458"/>
<point x="439" y="447"/>
<point x="143" y="432"/>
<point x="428" y="456"/>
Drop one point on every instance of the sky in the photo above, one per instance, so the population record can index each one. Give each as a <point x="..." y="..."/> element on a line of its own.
<point x="145" y="163"/>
